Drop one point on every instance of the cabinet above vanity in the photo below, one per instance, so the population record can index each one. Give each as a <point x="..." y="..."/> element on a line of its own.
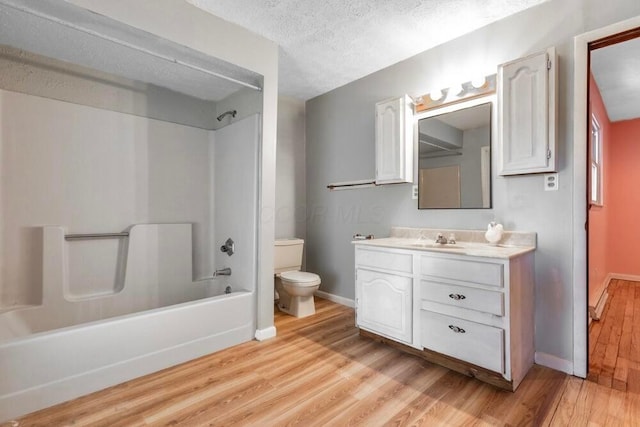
<point x="394" y="140"/>
<point x="467" y="306"/>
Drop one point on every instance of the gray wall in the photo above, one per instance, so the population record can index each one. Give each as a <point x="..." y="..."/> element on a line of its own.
<point x="340" y="147"/>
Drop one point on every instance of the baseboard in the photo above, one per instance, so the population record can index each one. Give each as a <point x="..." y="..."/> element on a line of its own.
<point x="596" y="312"/>
<point x="630" y="277"/>
<point x="266" y="333"/>
<point x="553" y="362"/>
<point x="336" y="298"/>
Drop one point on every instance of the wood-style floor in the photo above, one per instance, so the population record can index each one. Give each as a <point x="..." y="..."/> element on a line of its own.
<point x="614" y="340"/>
<point x="318" y="371"/>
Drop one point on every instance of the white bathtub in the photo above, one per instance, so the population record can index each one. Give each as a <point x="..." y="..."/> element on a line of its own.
<point x="66" y="348"/>
<point x="46" y="368"/>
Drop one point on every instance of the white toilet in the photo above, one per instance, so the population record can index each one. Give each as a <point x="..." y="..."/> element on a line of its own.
<point x="294" y="287"/>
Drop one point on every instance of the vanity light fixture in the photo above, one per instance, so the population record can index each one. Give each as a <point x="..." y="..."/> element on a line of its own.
<point x="457" y="92"/>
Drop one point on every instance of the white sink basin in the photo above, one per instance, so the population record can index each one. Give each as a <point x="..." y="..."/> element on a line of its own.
<point x="430" y="245"/>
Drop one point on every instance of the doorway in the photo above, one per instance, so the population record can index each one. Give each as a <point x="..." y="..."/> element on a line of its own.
<point x="583" y="45"/>
<point x="613" y="154"/>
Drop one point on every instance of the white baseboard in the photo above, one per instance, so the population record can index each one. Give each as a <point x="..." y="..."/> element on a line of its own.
<point x="631" y="277"/>
<point x="596" y="312"/>
<point x="553" y="362"/>
<point x="266" y="333"/>
<point x="336" y="298"/>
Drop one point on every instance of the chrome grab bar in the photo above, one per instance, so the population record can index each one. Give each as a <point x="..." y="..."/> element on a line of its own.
<point x="96" y="236"/>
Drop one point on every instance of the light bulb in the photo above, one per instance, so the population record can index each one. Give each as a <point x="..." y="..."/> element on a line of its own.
<point x="435" y="94"/>
<point x="478" y="81"/>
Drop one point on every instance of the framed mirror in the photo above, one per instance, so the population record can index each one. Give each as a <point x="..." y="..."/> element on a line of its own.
<point x="454" y="156"/>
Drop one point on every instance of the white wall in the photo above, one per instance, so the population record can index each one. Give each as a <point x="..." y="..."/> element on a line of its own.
<point x="93" y="171"/>
<point x="340" y="134"/>
<point x="236" y="193"/>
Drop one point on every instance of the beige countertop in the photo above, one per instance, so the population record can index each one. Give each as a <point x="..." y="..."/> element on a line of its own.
<point x="404" y="238"/>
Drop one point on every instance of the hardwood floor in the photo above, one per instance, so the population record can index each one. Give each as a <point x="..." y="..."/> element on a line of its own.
<point x="318" y="371"/>
<point x="614" y="340"/>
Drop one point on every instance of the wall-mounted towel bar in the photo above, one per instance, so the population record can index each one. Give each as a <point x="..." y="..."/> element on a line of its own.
<point x="348" y="185"/>
<point x="95" y="236"/>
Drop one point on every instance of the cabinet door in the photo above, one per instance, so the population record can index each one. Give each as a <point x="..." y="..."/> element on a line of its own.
<point x="394" y="141"/>
<point x="527" y="114"/>
<point x="384" y="304"/>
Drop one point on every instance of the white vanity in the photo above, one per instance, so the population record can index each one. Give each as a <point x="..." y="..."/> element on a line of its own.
<point x="467" y="306"/>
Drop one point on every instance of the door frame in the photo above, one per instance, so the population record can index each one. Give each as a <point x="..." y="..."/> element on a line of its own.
<point x="580" y="195"/>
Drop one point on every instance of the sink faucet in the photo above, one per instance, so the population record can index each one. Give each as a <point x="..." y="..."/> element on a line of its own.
<point x="441" y="239"/>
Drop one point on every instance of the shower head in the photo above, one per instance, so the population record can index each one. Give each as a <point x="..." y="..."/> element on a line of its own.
<point x="226" y="113"/>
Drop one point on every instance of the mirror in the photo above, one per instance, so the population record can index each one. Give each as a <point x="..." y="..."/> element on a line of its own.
<point x="454" y="157"/>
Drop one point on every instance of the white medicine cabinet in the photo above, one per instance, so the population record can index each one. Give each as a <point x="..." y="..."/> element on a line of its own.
<point x="394" y="140"/>
<point x="527" y="102"/>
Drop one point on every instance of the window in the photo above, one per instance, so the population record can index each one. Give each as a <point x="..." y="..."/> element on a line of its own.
<point x="596" y="162"/>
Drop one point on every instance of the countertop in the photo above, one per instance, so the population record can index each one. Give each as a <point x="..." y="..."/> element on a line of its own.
<point x="475" y="249"/>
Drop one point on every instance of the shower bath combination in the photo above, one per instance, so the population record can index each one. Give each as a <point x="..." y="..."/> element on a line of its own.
<point x="231" y="113"/>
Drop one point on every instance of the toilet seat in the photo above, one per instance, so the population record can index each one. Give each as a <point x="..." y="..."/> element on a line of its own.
<point x="300" y="278"/>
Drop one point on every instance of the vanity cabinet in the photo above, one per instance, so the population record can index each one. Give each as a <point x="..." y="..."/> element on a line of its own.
<point x="394" y="140"/>
<point x="473" y="314"/>
<point x="384" y="290"/>
<point x="527" y="103"/>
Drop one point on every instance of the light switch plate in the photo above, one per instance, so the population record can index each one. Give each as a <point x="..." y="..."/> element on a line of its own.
<point x="551" y="182"/>
<point x="414" y="192"/>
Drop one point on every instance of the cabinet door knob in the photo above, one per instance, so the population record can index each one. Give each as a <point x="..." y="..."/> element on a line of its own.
<point x="456" y="329"/>
<point x="456" y="296"/>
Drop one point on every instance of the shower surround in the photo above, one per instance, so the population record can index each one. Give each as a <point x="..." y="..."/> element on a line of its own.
<point x="79" y="316"/>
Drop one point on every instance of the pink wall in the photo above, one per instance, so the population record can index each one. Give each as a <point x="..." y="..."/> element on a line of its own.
<point x="599" y="266"/>
<point x="623" y="249"/>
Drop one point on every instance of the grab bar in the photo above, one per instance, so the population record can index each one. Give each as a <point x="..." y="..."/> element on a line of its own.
<point x="96" y="236"/>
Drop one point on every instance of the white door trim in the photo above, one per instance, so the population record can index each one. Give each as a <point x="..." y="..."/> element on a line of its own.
<point x="580" y="291"/>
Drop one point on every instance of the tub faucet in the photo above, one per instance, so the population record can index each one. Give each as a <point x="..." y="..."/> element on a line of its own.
<point x="222" y="272"/>
<point x="441" y="239"/>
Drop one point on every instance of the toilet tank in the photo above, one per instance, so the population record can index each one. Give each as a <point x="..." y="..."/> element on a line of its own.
<point x="287" y="255"/>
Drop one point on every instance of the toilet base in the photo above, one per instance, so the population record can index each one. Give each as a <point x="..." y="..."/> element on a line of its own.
<point x="298" y="306"/>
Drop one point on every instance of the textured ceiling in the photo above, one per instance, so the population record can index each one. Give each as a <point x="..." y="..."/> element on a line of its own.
<point x="615" y="69"/>
<point x="326" y="44"/>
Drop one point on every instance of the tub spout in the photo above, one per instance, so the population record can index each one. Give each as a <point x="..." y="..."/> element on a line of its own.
<point x="222" y="272"/>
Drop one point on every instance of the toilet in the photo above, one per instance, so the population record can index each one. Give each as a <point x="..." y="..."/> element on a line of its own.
<point x="294" y="287"/>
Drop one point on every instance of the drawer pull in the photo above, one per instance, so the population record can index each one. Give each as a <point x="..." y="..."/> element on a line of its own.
<point x="457" y="329"/>
<point x="457" y="297"/>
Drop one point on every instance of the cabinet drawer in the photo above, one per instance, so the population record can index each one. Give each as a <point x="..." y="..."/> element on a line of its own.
<point x="484" y="273"/>
<point x="385" y="260"/>
<point x="472" y="342"/>
<point x="462" y="296"/>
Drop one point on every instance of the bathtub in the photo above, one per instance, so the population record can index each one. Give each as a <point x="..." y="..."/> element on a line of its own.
<point x="47" y="358"/>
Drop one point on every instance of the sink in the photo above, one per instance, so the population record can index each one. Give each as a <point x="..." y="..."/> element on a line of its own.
<point x="430" y="245"/>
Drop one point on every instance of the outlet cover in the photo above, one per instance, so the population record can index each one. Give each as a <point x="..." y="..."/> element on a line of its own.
<point x="551" y="182"/>
<point x="414" y="192"/>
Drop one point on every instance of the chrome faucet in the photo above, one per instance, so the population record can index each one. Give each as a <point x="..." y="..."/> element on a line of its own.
<point x="441" y="239"/>
<point x="222" y="272"/>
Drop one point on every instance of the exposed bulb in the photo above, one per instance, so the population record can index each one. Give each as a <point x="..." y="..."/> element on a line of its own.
<point x="435" y="94"/>
<point x="478" y="81"/>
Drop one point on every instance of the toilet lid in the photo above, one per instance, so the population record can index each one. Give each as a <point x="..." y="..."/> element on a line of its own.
<point x="300" y="277"/>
